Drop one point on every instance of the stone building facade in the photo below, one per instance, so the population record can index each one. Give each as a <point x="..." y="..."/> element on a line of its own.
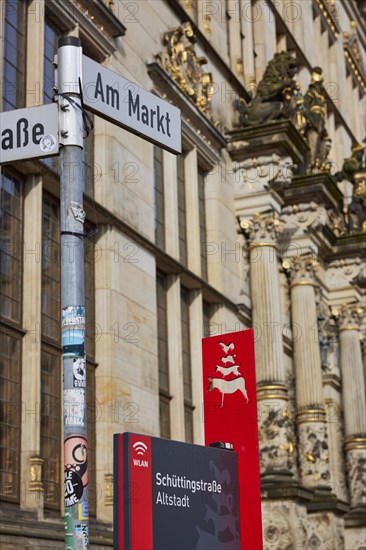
<point x="259" y="223"/>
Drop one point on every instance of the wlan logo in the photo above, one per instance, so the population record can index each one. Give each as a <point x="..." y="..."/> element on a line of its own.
<point x="140" y="448"/>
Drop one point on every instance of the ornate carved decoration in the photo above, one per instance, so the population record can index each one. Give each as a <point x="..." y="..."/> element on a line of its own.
<point x="36" y="464"/>
<point x="328" y="10"/>
<point x="278" y="95"/>
<point x="354" y="58"/>
<point x="108" y="480"/>
<point x="179" y="60"/>
<point x="278" y="533"/>
<point x="322" y="533"/>
<point x="350" y="316"/>
<point x="313" y="448"/>
<point x="356" y="466"/>
<point x="259" y="173"/>
<point x="276" y="437"/>
<point x="300" y="218"/>
<point x="286" y="525"/>
<point x="302" y="269"/>
<point x="262" y="229"/>
<point x="315" y="111"/>
<point x="341" y="273"/>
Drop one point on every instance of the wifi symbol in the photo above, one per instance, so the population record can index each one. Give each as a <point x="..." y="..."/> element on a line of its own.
<point x="140" y="447"/>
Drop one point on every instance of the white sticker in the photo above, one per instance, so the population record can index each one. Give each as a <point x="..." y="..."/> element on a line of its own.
<point x="47" y="143"/>
<point x="74" y="407"/>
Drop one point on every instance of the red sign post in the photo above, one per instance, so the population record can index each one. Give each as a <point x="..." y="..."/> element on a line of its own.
<point x="230" y="415"/>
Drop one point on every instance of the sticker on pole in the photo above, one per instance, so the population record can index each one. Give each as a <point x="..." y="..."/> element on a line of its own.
<point x="73" y="488"/>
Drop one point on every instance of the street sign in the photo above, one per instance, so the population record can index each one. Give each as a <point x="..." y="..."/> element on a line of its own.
<point x="29" y="133"/>
<point x="171" y="495"/>
<point x="126" y="104"/>
<point x="230" y="415"/>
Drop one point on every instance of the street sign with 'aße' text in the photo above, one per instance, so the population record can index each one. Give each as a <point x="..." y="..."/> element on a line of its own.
<point x="29" y="133"/>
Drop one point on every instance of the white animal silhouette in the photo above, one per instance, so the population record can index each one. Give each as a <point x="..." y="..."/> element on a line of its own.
<point x="228" y="386"/>
<point x="228" y="359"/>
<point x="225" y="371"/>
<point x="225" y="348"/>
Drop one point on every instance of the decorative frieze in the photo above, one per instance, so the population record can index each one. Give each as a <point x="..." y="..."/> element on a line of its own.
<point x="304" y="217"/>
<point x="260" y="173"/>
<point x="341" y="273"/>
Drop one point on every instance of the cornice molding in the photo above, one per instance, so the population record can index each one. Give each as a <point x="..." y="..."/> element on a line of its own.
<point x="98" y="26"/>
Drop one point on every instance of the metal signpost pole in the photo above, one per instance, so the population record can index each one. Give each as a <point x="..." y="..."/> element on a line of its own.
<point x="73" y="294"/>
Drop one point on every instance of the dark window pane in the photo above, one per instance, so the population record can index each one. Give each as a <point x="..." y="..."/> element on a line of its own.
<point x="11" y="234"/>
<point x="10" y="409"/>
<point x="14" y="58"/>
<point x="51" y="428"/>
<point x="51" y="270"/>
<point x="182" y="210"/>
<point x="159" y="197"/>
<point x="202" y="215"/>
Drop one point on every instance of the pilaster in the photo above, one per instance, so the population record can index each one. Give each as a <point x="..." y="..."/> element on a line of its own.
<point x="31" y="496"/>
<point x="353" y="386"/>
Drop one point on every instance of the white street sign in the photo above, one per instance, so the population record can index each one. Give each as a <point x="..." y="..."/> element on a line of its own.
<point x="29" y="133"/>
<point x="126" y="104"/>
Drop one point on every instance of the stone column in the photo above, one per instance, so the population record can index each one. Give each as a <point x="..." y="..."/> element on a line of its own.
<point x="310" y="417"/>
<point x="275" y="426"/>
<point x="354" y="402"/>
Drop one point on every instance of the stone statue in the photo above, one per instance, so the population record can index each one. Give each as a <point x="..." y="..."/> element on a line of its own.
<point x="354" y="170"/>
<point x="278" y="94"/>
<point x="315" y="106"/>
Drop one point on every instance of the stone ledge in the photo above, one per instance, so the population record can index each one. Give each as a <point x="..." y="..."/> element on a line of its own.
<point x="356" y="517"/>
<point x="17" y="526"/>
<point x="279" y="137"/>
<point x="320" y="188"/>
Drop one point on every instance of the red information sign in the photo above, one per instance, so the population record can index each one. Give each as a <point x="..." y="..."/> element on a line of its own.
<point x="230" y="414"/>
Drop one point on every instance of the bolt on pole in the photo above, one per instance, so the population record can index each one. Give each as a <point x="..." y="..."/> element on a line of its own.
<point x="73" y="294"/>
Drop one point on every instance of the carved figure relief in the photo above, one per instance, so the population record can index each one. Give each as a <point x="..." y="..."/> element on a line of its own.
<point x="314" y="449"/>
<point x="276" y="437"/>
<point x="356" y="466"/>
